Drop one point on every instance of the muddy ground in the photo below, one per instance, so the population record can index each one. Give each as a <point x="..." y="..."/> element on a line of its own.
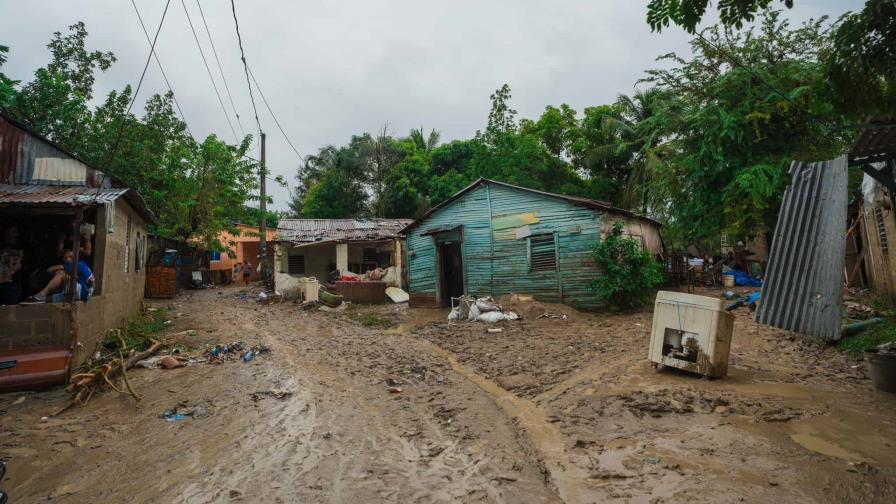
<point x="548" y="410"/>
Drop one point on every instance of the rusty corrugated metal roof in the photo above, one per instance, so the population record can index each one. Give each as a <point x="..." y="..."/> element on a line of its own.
<point x="803" y="288"/>
<point x="36" y="171"/>
<point x="874" y="140"/>
<point x="57" y="195"/>
<point x="318" y="230"/>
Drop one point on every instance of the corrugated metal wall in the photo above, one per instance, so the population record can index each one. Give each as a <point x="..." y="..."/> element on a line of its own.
<point x="803" y="289"/>
<point x="490" y="214"/>
<point x="28" y="159"/>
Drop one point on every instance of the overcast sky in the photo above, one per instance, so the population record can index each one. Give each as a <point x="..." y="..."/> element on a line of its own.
<point x="330" y="69"/>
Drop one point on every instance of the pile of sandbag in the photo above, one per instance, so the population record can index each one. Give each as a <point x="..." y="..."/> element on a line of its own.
<point x="478" y="309"/>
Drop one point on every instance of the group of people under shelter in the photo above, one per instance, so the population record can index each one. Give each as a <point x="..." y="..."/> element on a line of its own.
<point x="33" y="272"/>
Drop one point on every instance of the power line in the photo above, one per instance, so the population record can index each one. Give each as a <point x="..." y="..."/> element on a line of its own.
<point x="165" y="76"/>
<point x="239" y="39"/>
<point x="220" y="69"/>
<point x="277" y="122"/>
<point x="209" y="70"/>
<point x="124" y="125"/>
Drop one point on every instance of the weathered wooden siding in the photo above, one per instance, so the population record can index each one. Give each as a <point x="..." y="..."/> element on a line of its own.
<point x="496" y="262"/>
<point x="470" y="211"/>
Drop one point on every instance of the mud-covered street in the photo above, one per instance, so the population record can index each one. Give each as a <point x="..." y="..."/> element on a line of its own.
<point x="391" y="404"/>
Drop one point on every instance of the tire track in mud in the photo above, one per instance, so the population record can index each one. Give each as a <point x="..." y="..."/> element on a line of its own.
<point x="397" y="447"/>
<point x="547" y="438"/>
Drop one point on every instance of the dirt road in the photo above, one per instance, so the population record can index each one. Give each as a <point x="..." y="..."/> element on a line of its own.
<point x="549" y="410"/>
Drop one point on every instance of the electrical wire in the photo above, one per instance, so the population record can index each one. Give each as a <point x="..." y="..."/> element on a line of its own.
<point x="209" y="70"/>
<point x="274" y="116"/>
<point x="124" y="125"/>
<point x="239" y="38"/>
<point x="164" y="75"/>
<point x="220" y="69"/>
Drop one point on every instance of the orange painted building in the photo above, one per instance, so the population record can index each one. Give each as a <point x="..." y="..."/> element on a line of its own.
<point x="245" y="247"/>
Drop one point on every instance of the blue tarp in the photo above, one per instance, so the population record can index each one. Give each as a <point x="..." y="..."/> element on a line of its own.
<point x="741" y="278"/>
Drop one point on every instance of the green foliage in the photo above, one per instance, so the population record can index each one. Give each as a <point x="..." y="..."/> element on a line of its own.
<point x="628" y="275"/>
<point x="730" y="129"/>
<point x="689" y="13"/>
<point x="861" y="68"/>
<point x="877" y="335"/>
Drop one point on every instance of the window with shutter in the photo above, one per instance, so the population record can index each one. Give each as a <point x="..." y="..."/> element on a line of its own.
<point x="542" y="253"/>
<point x="296" y="265"/>
<point x="369" y="255"/>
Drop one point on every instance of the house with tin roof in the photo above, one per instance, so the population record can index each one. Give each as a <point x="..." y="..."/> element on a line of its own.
<point x="50" y="201"/>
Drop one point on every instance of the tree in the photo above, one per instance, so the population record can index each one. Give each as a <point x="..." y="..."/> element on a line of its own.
<point x="861" y="67"/>
<point x="7" y="85"/>
<point x="689" y="13"/>
<point x="733" y="129"/>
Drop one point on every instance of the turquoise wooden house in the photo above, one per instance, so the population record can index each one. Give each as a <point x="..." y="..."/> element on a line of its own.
<point x="493" y="238"/>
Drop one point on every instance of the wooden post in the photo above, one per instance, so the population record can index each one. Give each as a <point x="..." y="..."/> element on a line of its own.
<point x="263" y="225"/>
<point x="72" y="287"/>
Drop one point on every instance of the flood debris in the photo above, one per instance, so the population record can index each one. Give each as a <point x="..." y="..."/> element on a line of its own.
<point x="183" y="410"/>
<point x="280" y="395"/>
<point x="483" y="309"/>
<point x="551" y="315"/>
<point x="236" y="350"/>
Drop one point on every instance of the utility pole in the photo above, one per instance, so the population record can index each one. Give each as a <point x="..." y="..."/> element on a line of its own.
<point x="263" y="227"/>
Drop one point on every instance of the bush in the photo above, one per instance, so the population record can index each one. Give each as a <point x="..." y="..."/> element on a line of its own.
<point x="629" y="274"/>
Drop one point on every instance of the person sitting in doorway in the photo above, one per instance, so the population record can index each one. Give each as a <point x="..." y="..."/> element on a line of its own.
<point x="61" y="275"/>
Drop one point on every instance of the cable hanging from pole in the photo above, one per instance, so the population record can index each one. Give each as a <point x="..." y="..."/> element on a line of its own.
<point x="239" y="39"/>
<point x="274" y="116"/>
<point x="220" y="69"/>
<point x="159" y="63"/>
<point x="209" y="70"/>
<point x="124" y="124"/>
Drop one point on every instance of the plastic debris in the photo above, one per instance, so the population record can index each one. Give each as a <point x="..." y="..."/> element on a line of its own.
<point x="397" y="295"/>
<point x="248" y="356"/>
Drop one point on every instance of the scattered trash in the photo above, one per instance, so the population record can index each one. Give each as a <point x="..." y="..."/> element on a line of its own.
<point x="418" y="372"/>
<point x="550" y="315"/>
<point x="482" y="309"/>
<point x="280" y="395"/>
<point x="397" y="295"/>
<point x="729" y="294"/>
<point x="327" y="435"/>
<point x="394" y="390"/>
<point x="329" y="299"/>
<point x="338" y="308"/>
<point x="184" y="410"/>
<point x="169" y="362"/>
<point x="493" y="330"/>
<point x="235" y="350"/>
<point x="651" y="459"/>
<point x="440" y="380"/>
<point x="858" y="311"/>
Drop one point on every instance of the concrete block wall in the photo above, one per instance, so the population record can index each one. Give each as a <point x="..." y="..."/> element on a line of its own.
<point x="34" y="325"/>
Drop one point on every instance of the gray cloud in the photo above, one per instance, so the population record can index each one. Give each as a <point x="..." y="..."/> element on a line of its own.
<point x="333" y="69"/>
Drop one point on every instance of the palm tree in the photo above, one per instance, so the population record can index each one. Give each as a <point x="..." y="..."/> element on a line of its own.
<point x="422" y="142"/>
<point x="636" y="141"/>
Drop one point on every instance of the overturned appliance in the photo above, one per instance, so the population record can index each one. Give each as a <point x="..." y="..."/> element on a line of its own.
<point x="692" y="333"/>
